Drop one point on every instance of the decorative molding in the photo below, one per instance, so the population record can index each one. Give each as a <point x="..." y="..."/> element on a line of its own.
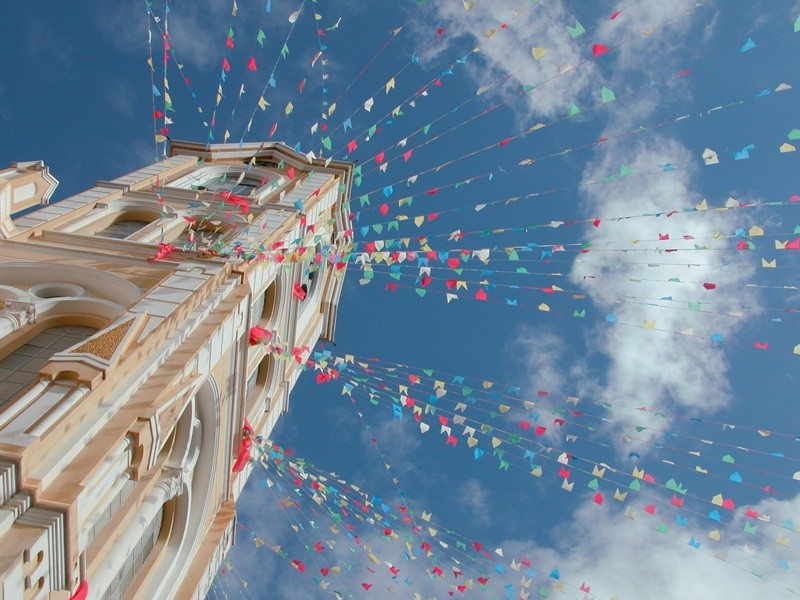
<point x="168" y="414"/>
<point x="106" y="343"/>
<point x="21" y="312"/>
<point x="8" y="480"/>
<point x="18" y="504"/>
<point x="53" y="570"/>
<point x="225" y="543"/>
<point x="172" y="480"/>
<point x="104" y="284"/>
<point x="92" y="359"/>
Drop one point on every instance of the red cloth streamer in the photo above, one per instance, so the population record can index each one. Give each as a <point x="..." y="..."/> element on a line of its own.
<point x="82" y="592"/>
<point x="298" y="291"/>
<point x="599" y="49"/>
<point x="164" y="250"/>
<point x="252" y="64"/>
<point x="259" y="333"/>
<point x="239" y="201"/>
<point x="244" y="454"/>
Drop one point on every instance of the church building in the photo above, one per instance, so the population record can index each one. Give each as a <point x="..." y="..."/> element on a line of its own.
<point x="151" y="327"/>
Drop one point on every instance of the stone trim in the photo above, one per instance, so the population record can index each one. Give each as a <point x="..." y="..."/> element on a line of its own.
<point x="54" y="568"/>
<point x="8" y="480"/>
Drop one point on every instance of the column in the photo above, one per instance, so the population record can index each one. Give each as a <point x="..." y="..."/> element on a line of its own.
<point x="14" y="315"/>
<point x="169" y="485"/>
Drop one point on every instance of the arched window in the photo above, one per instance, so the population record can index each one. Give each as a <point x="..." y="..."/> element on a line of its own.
<point x="311" y="280"/>
<point x="257" y="309"/>
<point x="264" y="308"/>
<point x="109" y="510"/>
<point x="234" y="184"/>
<point x="204" y="234"/>
<point x="20" y="369"/>
<point x="232" y="178"/>
<point x="126" y="223"/>
<point x="260" y="384"/>
<point x="123" y="228"/>
<point x="136" y="558"/>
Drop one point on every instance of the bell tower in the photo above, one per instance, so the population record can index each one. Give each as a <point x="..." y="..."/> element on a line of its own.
<point x="149" y="327"/>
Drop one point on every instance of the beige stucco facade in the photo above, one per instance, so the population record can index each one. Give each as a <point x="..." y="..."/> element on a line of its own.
<point x="127" y="369"/>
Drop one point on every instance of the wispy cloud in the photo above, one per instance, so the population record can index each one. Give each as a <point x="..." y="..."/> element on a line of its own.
<point x="474" y="497"/>
<point x="197" y="30"/>
<point x="604" y="550"/>
<point x="668" y="370"/>
<point x="506" y="60"/>
<point x="542" y="355"/>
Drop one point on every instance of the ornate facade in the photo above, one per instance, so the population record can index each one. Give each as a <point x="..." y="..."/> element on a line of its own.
<point x="133" y="362"/>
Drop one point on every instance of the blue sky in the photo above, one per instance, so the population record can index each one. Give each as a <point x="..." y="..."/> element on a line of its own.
<point x="76" y="92"/>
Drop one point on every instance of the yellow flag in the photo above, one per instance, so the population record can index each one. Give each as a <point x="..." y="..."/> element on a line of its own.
<point x="539" y="53"/>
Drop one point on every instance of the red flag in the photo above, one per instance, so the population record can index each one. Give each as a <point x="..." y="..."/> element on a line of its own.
<point x="298" y="291"/>
<point x="259" y="333"/>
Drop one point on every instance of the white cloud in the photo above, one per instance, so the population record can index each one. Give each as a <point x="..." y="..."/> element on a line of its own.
<point x="542" y="356"/>
<point x="596" y="546"/>
<point x="615" y="555"/>
<point x="655" y="369"/>
<point x="506" y="61"/>
<point x="473" y="496"/>
<point x="195" y="31"/>
<point x="643" y="39"/>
